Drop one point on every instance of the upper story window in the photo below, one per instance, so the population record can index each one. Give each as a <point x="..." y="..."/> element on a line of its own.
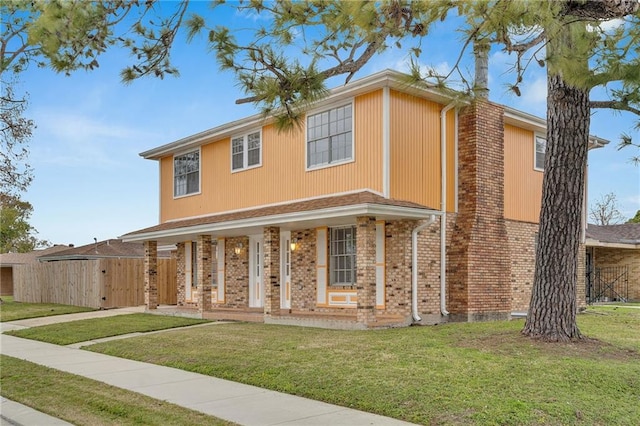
<point x="186" y="174"/>
<point x="541" y="149"/>
<point x="330" y="136"/>
<point x="342" y="252"/>
<point x="246" y="151"/>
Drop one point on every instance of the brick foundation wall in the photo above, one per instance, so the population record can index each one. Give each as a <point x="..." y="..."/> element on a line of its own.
<point x="478" y="264"/>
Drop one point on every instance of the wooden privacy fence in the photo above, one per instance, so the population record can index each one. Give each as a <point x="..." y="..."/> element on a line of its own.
<point x="99" y="283"/>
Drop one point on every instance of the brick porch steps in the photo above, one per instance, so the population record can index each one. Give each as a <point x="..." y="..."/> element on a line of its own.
<point x="235" y="314"/>
<point x="337" y="319"/>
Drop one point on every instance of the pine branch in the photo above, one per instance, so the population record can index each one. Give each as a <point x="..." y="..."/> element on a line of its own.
<point x="617" y="105"/>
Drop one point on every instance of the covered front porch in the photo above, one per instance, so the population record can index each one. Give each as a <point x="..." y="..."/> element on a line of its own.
<point x="337" y="262"/>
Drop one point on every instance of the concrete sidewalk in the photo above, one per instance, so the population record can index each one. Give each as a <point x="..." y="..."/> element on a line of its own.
<point x="13" y="413"/>
<point x="239" y="403"/>
<point x="57" y="319"/>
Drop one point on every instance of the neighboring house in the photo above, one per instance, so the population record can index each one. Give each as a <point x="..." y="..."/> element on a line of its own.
<point x="9" y="260"/>
<point x="108" y="249"/>
<point x="388" y="206"/>
<point x="613" y="262"/>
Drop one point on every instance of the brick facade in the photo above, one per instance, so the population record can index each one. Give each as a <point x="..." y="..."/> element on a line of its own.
<point x="272" y="270"/>
<point x="398" y="266"/>
<point x="522" y="243"/>
<point x="366" y="269"/>
<point x="203" y="296"/>
<point x="303" y="271"/>
<point x="151" y="274"/>
<point x="478" y="265"/>
<point x="429" y="273"/>
<point x="237" y="273"/>
<point x="181" y="277"/>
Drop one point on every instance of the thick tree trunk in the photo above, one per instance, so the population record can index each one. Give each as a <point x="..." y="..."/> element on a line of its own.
<point x="553" y="308"/>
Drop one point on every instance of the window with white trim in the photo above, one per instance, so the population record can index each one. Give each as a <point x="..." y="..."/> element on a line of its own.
<point x="330" y="136"/>
<point x="186" y="174"/>
<point x="246" y="151"/>
<point x="342" y="256"/>
<point x="541" y="149"/>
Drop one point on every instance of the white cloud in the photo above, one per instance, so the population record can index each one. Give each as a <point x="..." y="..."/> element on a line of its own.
<point x="75" y="140"/>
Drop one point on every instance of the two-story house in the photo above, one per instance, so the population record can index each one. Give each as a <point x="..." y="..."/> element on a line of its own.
<point x="390" y="205"/>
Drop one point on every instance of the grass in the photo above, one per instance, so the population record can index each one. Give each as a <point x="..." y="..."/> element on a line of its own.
<point x="11" y="310"/>
<point x="478" y="374"/>
<point x="83" y="401"/>
<point x="97" y="328"/>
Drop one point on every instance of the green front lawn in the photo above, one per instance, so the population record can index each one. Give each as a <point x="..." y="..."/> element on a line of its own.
<point x="11" y="310"/>
<point x="83" y="401"/>
<point x="97" y="328"/>
<point x="482" y="373"/>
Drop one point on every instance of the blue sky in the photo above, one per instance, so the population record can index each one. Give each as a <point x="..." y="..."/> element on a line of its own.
<point x="90" y="181"/>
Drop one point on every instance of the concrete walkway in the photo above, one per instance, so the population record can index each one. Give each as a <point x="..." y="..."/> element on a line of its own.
<point x="239" y="403"/>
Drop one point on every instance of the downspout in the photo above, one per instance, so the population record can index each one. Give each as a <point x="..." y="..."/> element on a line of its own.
<point x="414" y="267"/>
<point x="443" y="209"/>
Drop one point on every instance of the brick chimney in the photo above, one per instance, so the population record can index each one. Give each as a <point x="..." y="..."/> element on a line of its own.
<point x="478" y="258"/>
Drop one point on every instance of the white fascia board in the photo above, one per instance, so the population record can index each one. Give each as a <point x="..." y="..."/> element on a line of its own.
<point x="590" y="242"/>
<point x="323" y="214"/>
<point x="531" y="122"/>
<point x="524" y="120"/>
<point x="220" y="132"/>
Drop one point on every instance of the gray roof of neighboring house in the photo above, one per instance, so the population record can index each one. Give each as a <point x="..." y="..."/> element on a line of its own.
<point x="626" y="233"/>
<point x="113" y="248"/>
<point x="31" y="257"/>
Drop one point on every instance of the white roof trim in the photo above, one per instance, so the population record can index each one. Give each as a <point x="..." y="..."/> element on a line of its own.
<point x="531" y="122"/>
<point x="386" y="78"/>
<point x="590" y="242"/>
<point x="366" y="209"/>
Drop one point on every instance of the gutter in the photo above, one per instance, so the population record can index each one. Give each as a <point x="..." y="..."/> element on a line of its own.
<point x="443" y="210"/>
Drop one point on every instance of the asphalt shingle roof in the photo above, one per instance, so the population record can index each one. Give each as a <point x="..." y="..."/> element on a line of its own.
<point x="31" y="257"/>
<point x="625" y="233"/>
<point x="101" y="249"/>
<point x="364" y="197"/>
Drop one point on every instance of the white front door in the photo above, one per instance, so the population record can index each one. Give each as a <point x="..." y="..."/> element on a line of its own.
<point x="285" y="270"/>
<point x="256" y="280"/>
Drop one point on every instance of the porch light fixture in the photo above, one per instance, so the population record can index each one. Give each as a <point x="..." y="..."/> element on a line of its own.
<point x="294" y="244"/>
<point x="238" y="248"/>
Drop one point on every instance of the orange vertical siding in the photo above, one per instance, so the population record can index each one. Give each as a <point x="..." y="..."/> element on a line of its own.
<point x="283" y="175"/>
<point x="415" y="150"/>
<point x="522" y="184"/>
